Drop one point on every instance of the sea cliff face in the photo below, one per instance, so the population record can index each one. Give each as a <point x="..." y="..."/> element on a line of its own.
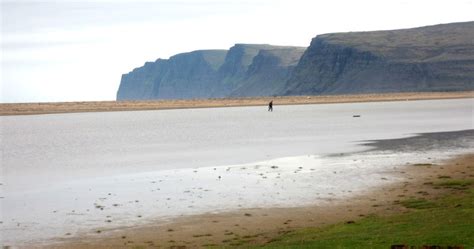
<point x="182" y="76"/>
<point x="210" y="73"/>
<point x="432" y="58"/>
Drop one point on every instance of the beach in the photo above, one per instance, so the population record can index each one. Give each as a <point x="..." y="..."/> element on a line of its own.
<point x="261" y="226"/>
<point x="134" y="105"/>
<point x="122" y="179"/>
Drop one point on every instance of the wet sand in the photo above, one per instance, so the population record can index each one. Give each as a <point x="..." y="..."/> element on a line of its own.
<point x="261" y="225"/>
<point x="97" y="210"/>
<point x="104" y="106"/>
<point x="389" y="172"/>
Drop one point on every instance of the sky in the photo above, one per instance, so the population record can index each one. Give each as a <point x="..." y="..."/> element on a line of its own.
<point x="73" y="50"/>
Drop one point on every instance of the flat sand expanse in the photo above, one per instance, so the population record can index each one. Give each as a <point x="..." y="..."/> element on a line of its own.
<point x="261" y="225"/>
<point x="102" y="106"/>
<point x="91" y="175"/>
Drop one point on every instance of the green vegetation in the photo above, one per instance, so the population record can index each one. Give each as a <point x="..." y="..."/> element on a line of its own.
<point x="455" y="184"/>
<point x="446" y="221"/>
<point x="417" y="203"/>
<point x="424" y="164"/>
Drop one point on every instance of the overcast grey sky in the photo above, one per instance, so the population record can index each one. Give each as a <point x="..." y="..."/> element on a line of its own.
<point x="73" y="50"/>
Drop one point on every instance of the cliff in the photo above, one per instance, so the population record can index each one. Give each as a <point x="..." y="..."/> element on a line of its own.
<point x="432" y="58"/>
<point x="212" y="73"/>
<point x="269" y="71"/>
<point x="182" y="76"/>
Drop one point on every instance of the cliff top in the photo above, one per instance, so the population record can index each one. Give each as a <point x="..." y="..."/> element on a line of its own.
<point x="454" y="41"/>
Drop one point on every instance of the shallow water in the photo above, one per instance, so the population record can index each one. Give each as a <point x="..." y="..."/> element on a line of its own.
<point x="90" y="170"/>
<point x="60" y="147"/>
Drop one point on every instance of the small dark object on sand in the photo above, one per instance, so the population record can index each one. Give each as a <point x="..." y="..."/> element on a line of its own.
<point x="399" y="247"/>
<point x="356" y="116"/>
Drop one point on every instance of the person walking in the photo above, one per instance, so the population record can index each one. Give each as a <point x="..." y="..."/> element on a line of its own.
<point x="270" y="106"/>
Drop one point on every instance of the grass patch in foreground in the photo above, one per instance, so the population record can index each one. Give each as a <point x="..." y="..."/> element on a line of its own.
<point x="444" y="222"/>
<point x="455" y="183"/>
<point x="418" y="203"/>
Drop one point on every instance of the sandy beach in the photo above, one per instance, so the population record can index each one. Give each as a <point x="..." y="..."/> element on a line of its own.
<point x="128" y="179"/>
<point x="104" y="106"/>
<point x="259" y="226"/>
